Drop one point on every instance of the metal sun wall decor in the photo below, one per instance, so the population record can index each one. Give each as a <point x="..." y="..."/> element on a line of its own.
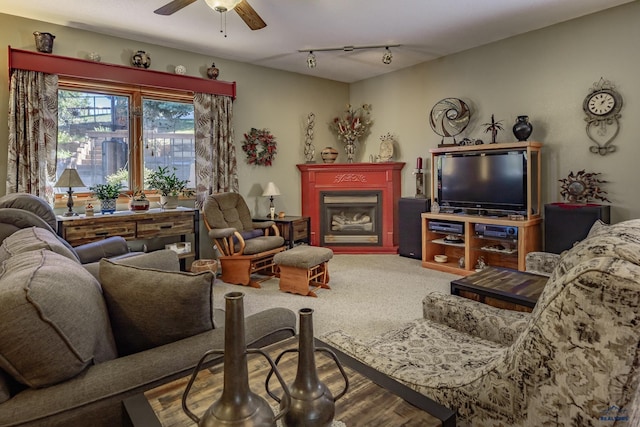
<point x="582" y="187"/>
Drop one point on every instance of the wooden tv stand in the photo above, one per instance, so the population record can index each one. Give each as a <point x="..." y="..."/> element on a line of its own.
<point x="499" y="251"/>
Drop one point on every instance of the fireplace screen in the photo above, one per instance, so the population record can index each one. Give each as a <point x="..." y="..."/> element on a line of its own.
<point x="350" y="218"/>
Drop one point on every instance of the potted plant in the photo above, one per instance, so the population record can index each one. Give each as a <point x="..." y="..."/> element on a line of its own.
<point x="169" y="186"/>
<point x="108" y="195"/>
<point x="138" y="201"/>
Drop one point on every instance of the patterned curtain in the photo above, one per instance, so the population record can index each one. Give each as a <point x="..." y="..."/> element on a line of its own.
<point x="33" y="132"/>
<point x="216" y="166"/>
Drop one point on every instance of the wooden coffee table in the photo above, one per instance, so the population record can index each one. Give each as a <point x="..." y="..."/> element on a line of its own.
<point x="501" y="287"/>
<point x="373" y="398"/>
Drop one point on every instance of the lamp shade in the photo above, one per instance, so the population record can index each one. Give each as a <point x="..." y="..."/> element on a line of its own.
<point x="69" y="179"/>
<point x="222" y="5"/>
<point x="271" y="190"/>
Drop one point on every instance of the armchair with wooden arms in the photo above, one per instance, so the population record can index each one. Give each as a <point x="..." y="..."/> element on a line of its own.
<point x="245" y="247"/>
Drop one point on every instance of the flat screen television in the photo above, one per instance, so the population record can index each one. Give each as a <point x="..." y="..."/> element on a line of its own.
<point x="493" y="181"/>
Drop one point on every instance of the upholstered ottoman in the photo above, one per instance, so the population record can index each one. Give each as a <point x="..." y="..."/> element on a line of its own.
<point x="302" y="268"/>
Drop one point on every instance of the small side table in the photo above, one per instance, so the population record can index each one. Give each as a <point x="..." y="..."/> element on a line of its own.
<point x="294" y="229"/>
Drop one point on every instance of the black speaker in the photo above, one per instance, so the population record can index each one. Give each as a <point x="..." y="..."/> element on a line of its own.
<point x="566" y="224"/>
<point x="410" y="226"/>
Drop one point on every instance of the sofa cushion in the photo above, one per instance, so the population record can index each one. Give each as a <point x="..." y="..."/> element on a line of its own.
<point x="150" y="307"/>
<point x="54" y="319"/>
<point x="33" y="239"/>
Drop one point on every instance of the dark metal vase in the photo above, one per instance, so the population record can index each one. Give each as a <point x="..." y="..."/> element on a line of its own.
<point x="522" y="128"/>
<point x="312" y="404"/>
<point x="238" y="406"/>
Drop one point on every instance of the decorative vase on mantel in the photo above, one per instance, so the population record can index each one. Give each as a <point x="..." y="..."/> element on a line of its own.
<point x="329" y="154"/>
<point x="350" y="148"/>
<point x="522" y="129"/>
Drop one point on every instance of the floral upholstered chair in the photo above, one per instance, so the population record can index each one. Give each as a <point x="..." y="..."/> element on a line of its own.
<point x="573" y="361"/>
<point x="245" y="247"/>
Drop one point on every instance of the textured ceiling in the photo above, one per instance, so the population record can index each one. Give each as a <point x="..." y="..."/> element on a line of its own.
<point x="425" y="29"/>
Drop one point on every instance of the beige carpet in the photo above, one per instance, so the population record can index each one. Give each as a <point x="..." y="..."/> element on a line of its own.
<point x="369" y="295"/>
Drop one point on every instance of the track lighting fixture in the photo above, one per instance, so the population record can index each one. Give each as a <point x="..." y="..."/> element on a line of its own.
<point x="386" y="56"/>
<point x="311" y="60"/>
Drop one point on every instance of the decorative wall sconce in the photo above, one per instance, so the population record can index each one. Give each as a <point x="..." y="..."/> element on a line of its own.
<point x="311" y="60"/>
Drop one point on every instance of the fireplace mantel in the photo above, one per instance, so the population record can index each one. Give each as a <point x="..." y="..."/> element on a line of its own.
<point x="384" y="177"/>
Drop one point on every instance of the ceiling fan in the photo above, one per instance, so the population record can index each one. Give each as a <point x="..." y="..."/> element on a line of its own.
<point x="242" y="8"/>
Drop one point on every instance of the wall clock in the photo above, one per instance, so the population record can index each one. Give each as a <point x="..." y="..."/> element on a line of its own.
<point x="602" y="106"/>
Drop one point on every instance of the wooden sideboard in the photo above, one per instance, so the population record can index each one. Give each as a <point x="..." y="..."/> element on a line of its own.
<point x="154" y="223"/>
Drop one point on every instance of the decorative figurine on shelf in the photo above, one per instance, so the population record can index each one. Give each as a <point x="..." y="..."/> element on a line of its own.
<point x="386" y="148"/>
<point x="309" y="149"/>
<point x="493" y="127"/>
<point x="88" y="210"/>
<point x="582" y="187"/>
<point x="141" y="59"/>
<point x="213" y="72"/>
<point x="44" y="41"/>
<point x="419" y="179"/>
<point x="481" y="264"/>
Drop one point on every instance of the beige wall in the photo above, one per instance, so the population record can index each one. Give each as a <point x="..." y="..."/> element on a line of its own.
<point x="544" y="74"/>
<point x="266" y="98"/>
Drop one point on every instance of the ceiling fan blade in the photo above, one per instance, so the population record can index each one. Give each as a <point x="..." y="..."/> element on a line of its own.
<point x="249" y="16"/>
<point x="173" y="6"/>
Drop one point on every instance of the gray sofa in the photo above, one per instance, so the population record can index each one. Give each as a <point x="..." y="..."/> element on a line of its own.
<point x="72" y="347"/>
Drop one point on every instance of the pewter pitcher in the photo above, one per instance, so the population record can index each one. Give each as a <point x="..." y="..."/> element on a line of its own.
<point x="312" y="404"/>
<point x="238" y="406"/>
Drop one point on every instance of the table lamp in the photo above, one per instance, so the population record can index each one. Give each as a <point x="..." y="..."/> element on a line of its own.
<point x="270" y="191"/>
<point x="69" y="178"/>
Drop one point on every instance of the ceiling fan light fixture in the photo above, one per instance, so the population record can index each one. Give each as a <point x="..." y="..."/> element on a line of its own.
<point x="222" y="5"/>
<point x="387" y="56"/>
<point x="311" y="60"/>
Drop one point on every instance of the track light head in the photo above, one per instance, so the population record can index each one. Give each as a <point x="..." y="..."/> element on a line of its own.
<point x="311" y="60"/>
<point x="387" y="56"/>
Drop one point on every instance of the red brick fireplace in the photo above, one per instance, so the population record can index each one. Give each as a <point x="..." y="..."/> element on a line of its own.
<point x="331" y="194"/>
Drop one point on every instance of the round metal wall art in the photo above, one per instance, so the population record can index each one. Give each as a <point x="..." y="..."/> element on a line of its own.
<point x="449" y="117"/>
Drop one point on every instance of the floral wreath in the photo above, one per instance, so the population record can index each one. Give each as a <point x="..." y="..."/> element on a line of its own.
<point x="260" y="146"/>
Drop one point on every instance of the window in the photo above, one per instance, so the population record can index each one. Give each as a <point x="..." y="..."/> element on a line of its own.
<point x="118" y="133"/>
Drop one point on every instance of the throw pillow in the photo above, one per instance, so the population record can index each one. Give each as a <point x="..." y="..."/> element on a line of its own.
<point x="149" y="308"/>
<point x="33" y="239"/>
<point x="597" y="227"/>
<point x="54" y="319"/>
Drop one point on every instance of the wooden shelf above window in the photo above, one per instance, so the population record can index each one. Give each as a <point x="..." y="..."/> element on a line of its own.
<point x="99" y="71"/>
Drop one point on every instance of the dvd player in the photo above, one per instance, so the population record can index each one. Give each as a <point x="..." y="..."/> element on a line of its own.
<point x="496" y="231"/>
<point x="446" y="227"/>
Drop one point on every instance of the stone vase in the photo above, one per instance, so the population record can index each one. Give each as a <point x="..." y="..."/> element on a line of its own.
<point x="329" y="154"/>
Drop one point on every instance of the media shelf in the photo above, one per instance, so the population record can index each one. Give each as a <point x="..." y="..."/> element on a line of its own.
<point x="527" y="238"/>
